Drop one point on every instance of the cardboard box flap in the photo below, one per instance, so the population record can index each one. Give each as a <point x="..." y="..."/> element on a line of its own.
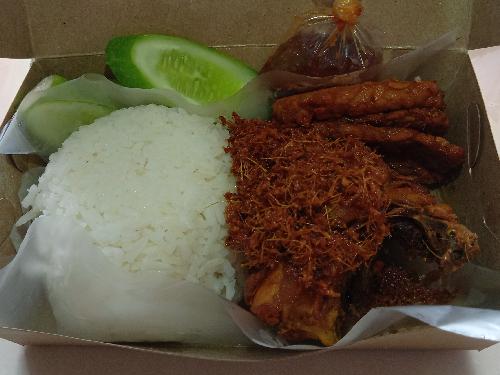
<point x="26" y="337"/>
<point x="485" y="19"/>
<point x="68" y="37"/>
<point x="418" y="338"/>
<point x="14" y="30"/>
<point x="72" y="27"/>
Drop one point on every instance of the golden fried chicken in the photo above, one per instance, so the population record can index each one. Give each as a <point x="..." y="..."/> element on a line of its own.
<point x="307" y="212"/>
<point x="279" y="298"/>
<point x="312" y="208"/>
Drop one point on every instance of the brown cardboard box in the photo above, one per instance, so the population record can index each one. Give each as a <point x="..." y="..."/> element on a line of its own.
<point x="68" y="37"/>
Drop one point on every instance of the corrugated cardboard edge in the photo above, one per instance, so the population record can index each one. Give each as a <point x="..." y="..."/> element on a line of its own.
<point x="417" y="338"/>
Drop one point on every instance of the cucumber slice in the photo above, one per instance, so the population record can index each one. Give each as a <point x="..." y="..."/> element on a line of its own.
<point x="49" y="81"/>
<point x="57" y="80"/>
<point x="49" y="123"/>
<point x="201" y="74"/>
<point x="39" y="90"/>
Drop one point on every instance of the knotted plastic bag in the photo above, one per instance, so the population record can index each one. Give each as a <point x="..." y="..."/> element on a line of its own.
<point x="328" y="43"/>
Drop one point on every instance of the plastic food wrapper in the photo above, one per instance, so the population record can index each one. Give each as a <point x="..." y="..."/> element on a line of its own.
<point x="403" y="67"/>
<point x="331" y="47"/>
<point x="92" y="95"/>
<point x="329" y="43"/>
<point x="60" y="282"/>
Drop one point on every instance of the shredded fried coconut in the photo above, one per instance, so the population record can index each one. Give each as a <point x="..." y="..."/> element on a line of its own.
<point x="314" y="204"/>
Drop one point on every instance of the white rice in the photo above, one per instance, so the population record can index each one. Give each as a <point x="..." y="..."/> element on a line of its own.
<point x="148" y="184"/>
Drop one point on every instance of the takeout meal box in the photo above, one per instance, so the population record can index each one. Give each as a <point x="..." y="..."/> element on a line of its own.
<point x="68" y="37"/>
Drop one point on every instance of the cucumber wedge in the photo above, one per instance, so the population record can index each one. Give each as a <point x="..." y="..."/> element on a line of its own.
<point x="49" y="123"/>
<point x="56" y="80"/>
<point x="50" y="81"/>
<point x="199" y="73"/>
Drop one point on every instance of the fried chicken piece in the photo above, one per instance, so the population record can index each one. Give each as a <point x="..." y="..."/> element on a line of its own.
<point x="442" y="238"/>
<point x="357" y="100"/>
<point x="427" y="120"/>
<point x="426" y="244"/>
<point x="449" y="243"/>
<point x="314" y="206"/>
<point x="432" y="152"/>
<point x="307" y="212"/>
<point x="279" y="299"/>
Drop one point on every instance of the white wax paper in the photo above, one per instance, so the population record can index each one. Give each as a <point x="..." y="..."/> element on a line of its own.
<point x="13" y="140"/>
<point x="59" y="272"/>
<point x="253" y="101"/>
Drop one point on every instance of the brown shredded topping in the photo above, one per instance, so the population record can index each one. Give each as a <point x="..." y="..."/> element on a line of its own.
<point x="312" y="203"/>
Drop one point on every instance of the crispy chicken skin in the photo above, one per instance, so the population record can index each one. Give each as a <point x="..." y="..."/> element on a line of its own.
<point x="443" y="240"/>
<point x="426" y="244"/>
<point x="359" y="100"/>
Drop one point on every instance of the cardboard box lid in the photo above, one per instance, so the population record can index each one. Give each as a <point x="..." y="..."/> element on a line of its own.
<point x="41" y="28"/>
<point x="15" y="38"/>
<point x="68" y="31"/>
<point x="484" y="29"/>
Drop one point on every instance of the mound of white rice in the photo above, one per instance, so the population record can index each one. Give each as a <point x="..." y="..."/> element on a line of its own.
<point x="148" y="184"/>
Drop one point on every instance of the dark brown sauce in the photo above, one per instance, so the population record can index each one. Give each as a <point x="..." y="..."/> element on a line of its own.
<point x="299" y="54"/>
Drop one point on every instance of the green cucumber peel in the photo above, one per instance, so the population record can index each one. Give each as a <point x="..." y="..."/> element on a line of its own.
<point x="200" y="73"/>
